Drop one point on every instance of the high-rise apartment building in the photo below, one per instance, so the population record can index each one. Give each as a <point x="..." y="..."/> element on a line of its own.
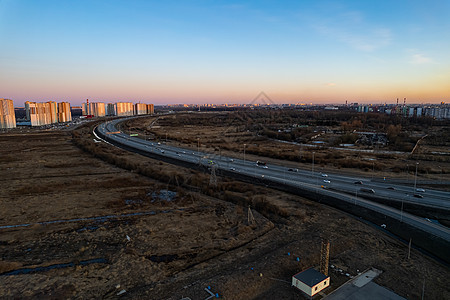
<point x="64" y="113"/>
<point x="96" y="109"/>
<point x="120" y="109"/>
<point x="140" y="109"/>
<point x="52" y="111"/>
<point x="85" y="109"/>
<point x="31" y="111"/>
<point x="7" y="116"/>
<point x="124" y="109"/>
<point x="150" y="109"/>
<point x="39" y="113"/>
<point x="47" y="113"/>
<point x="111" y="109"/>
<point x="419" y="111"/>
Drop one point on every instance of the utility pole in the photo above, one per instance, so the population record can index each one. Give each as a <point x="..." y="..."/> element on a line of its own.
<point x="423" y="288"/>
<point x="213" y="177"/>
<point x="300" y="154"/>
<point x="415" y="178"/>
<point x="250" y="217"/>
<point x="407" y="174"/>
<point x="401" y="213"/>
<point x="409" y="248"/>
<point x="198" y="149"/>
<point x="244" y="155"/>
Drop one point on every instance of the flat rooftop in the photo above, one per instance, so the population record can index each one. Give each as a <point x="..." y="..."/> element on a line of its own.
<point x="310" y="277"/>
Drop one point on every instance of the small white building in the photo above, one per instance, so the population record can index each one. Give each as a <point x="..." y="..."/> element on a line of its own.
<point x="310" y="281"/>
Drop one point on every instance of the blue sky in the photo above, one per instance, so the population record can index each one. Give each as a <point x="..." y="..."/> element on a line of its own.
<point x="225" y="52"/>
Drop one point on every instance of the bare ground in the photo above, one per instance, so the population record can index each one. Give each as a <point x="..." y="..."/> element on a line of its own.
<point x="175" y="248"/>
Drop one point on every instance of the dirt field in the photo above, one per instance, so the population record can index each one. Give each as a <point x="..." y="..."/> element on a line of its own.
<point x="114" y="229"/>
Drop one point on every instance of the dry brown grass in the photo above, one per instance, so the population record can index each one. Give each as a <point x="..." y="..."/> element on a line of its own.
<point x="210" y="238"/>
<point x="6" y="266"/>
<point x="229" y="132"/>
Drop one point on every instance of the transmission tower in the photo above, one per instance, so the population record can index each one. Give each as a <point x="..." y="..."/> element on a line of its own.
<point x="250" y="218"/>
<point x="213" y="177"/>
<point x="324" y="257"/>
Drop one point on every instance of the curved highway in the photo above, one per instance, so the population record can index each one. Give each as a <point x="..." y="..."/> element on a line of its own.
<point x="345" y="188"/>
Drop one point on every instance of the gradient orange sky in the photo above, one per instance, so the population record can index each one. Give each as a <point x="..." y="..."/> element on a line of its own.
<point x="167" y="52"/>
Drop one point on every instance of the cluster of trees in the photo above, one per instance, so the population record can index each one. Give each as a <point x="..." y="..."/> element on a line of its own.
<point x="280" y="125"/>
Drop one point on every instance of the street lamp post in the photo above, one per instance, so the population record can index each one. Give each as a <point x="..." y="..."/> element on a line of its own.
<point x="401" y="212"/>
<point x="407" y="174"/>
<point x="415" y="177"/>
<point x="198" y="149"/>
<point x="300" y="154"/>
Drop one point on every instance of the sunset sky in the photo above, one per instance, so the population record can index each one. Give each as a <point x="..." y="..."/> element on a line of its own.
<point x="167" y="52"/>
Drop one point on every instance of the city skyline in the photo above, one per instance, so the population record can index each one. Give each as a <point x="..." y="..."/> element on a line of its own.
<point x="202" y="52"/>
